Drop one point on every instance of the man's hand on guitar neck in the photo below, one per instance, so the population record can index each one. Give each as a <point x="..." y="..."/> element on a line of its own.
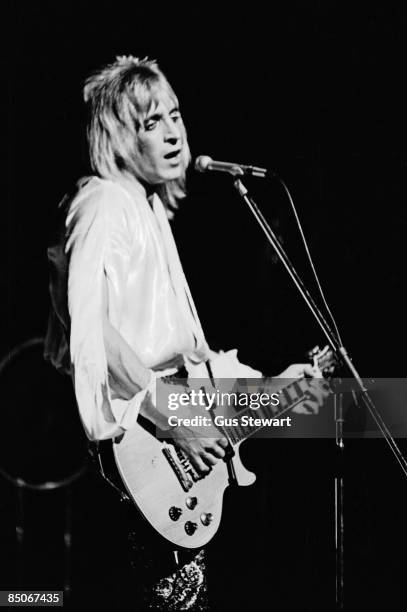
<point x="318" y="388"/>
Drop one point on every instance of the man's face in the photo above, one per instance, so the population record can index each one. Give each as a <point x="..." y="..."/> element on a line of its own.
<point x="161" y="139"/>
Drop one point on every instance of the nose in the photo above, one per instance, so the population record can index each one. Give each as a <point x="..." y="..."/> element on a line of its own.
<point x="173" y="131"/>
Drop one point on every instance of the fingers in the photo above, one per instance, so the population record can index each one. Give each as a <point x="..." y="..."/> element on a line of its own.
<point x="199" y="464"/>
<point x="302" y="409"/>
<point x="320" y="389"/>
<point x="299" y="370"/>
<point x="205" y="460"/>
<point x="311" y="407"/>
<point x="311" y="370"/>
<point x="223" y="442"/>
<point x="204" y="452"/>
<point x="216" y="450"/>
<point x="316" y="395"/>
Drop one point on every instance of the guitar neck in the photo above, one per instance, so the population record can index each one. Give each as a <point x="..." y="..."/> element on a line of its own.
<point x="289" y="396"/>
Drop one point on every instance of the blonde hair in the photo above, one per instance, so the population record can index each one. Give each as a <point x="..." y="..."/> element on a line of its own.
<point x="119" y="96"/>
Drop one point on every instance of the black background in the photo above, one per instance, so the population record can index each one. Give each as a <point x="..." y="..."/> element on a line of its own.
<point x="316" y="92"/>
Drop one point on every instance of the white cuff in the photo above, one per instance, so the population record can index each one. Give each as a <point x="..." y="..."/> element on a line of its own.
<point x="126" y="411"/>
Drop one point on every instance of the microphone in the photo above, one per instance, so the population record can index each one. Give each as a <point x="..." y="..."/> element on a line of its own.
<point x="203" y="163"/>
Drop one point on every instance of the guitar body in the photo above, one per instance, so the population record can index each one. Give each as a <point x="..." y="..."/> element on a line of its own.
<point x="186" y="518"/>
<point x="182" y="505"/>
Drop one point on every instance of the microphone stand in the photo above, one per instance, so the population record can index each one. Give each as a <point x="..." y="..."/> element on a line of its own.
<point x="339" y="502"/>
<point x="343" y="356"/>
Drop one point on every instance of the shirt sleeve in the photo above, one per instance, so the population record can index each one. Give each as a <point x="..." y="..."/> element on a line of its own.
<point x="223" y="365"/>
<point x="98" y="247"/>
<point x="227" y="365"/>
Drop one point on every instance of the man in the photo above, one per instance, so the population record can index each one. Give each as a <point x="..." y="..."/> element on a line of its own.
<point x="123" y="317"/>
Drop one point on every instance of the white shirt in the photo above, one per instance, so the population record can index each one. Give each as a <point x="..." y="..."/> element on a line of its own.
<point x="113" y="232"/>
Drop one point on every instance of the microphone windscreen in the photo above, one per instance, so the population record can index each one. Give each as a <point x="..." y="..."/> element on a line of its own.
<point x="202" y="162"/>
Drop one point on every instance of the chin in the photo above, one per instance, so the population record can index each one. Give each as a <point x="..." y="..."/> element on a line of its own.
<point x="173" y="175"/>
<point x="163" y="177"/>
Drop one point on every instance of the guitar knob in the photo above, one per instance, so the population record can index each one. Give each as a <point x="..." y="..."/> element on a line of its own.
<point x="206" y="518"/>
<point x="190" y="527"/>
<point x="191" y="502"/>
<point x="174" y="513"/>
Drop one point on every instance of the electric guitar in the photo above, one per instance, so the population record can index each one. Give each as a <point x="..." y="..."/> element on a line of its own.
<point x="183" y="505"/>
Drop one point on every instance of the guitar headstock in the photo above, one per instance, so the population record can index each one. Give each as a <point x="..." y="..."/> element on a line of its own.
<point x="324" y="358"/>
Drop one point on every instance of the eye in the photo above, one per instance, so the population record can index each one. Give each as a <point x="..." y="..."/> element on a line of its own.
<point x="150" y="124"/>
<point x="175" y="116"/>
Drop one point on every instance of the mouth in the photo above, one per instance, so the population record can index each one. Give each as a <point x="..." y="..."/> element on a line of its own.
<point x="173" y="155"/>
